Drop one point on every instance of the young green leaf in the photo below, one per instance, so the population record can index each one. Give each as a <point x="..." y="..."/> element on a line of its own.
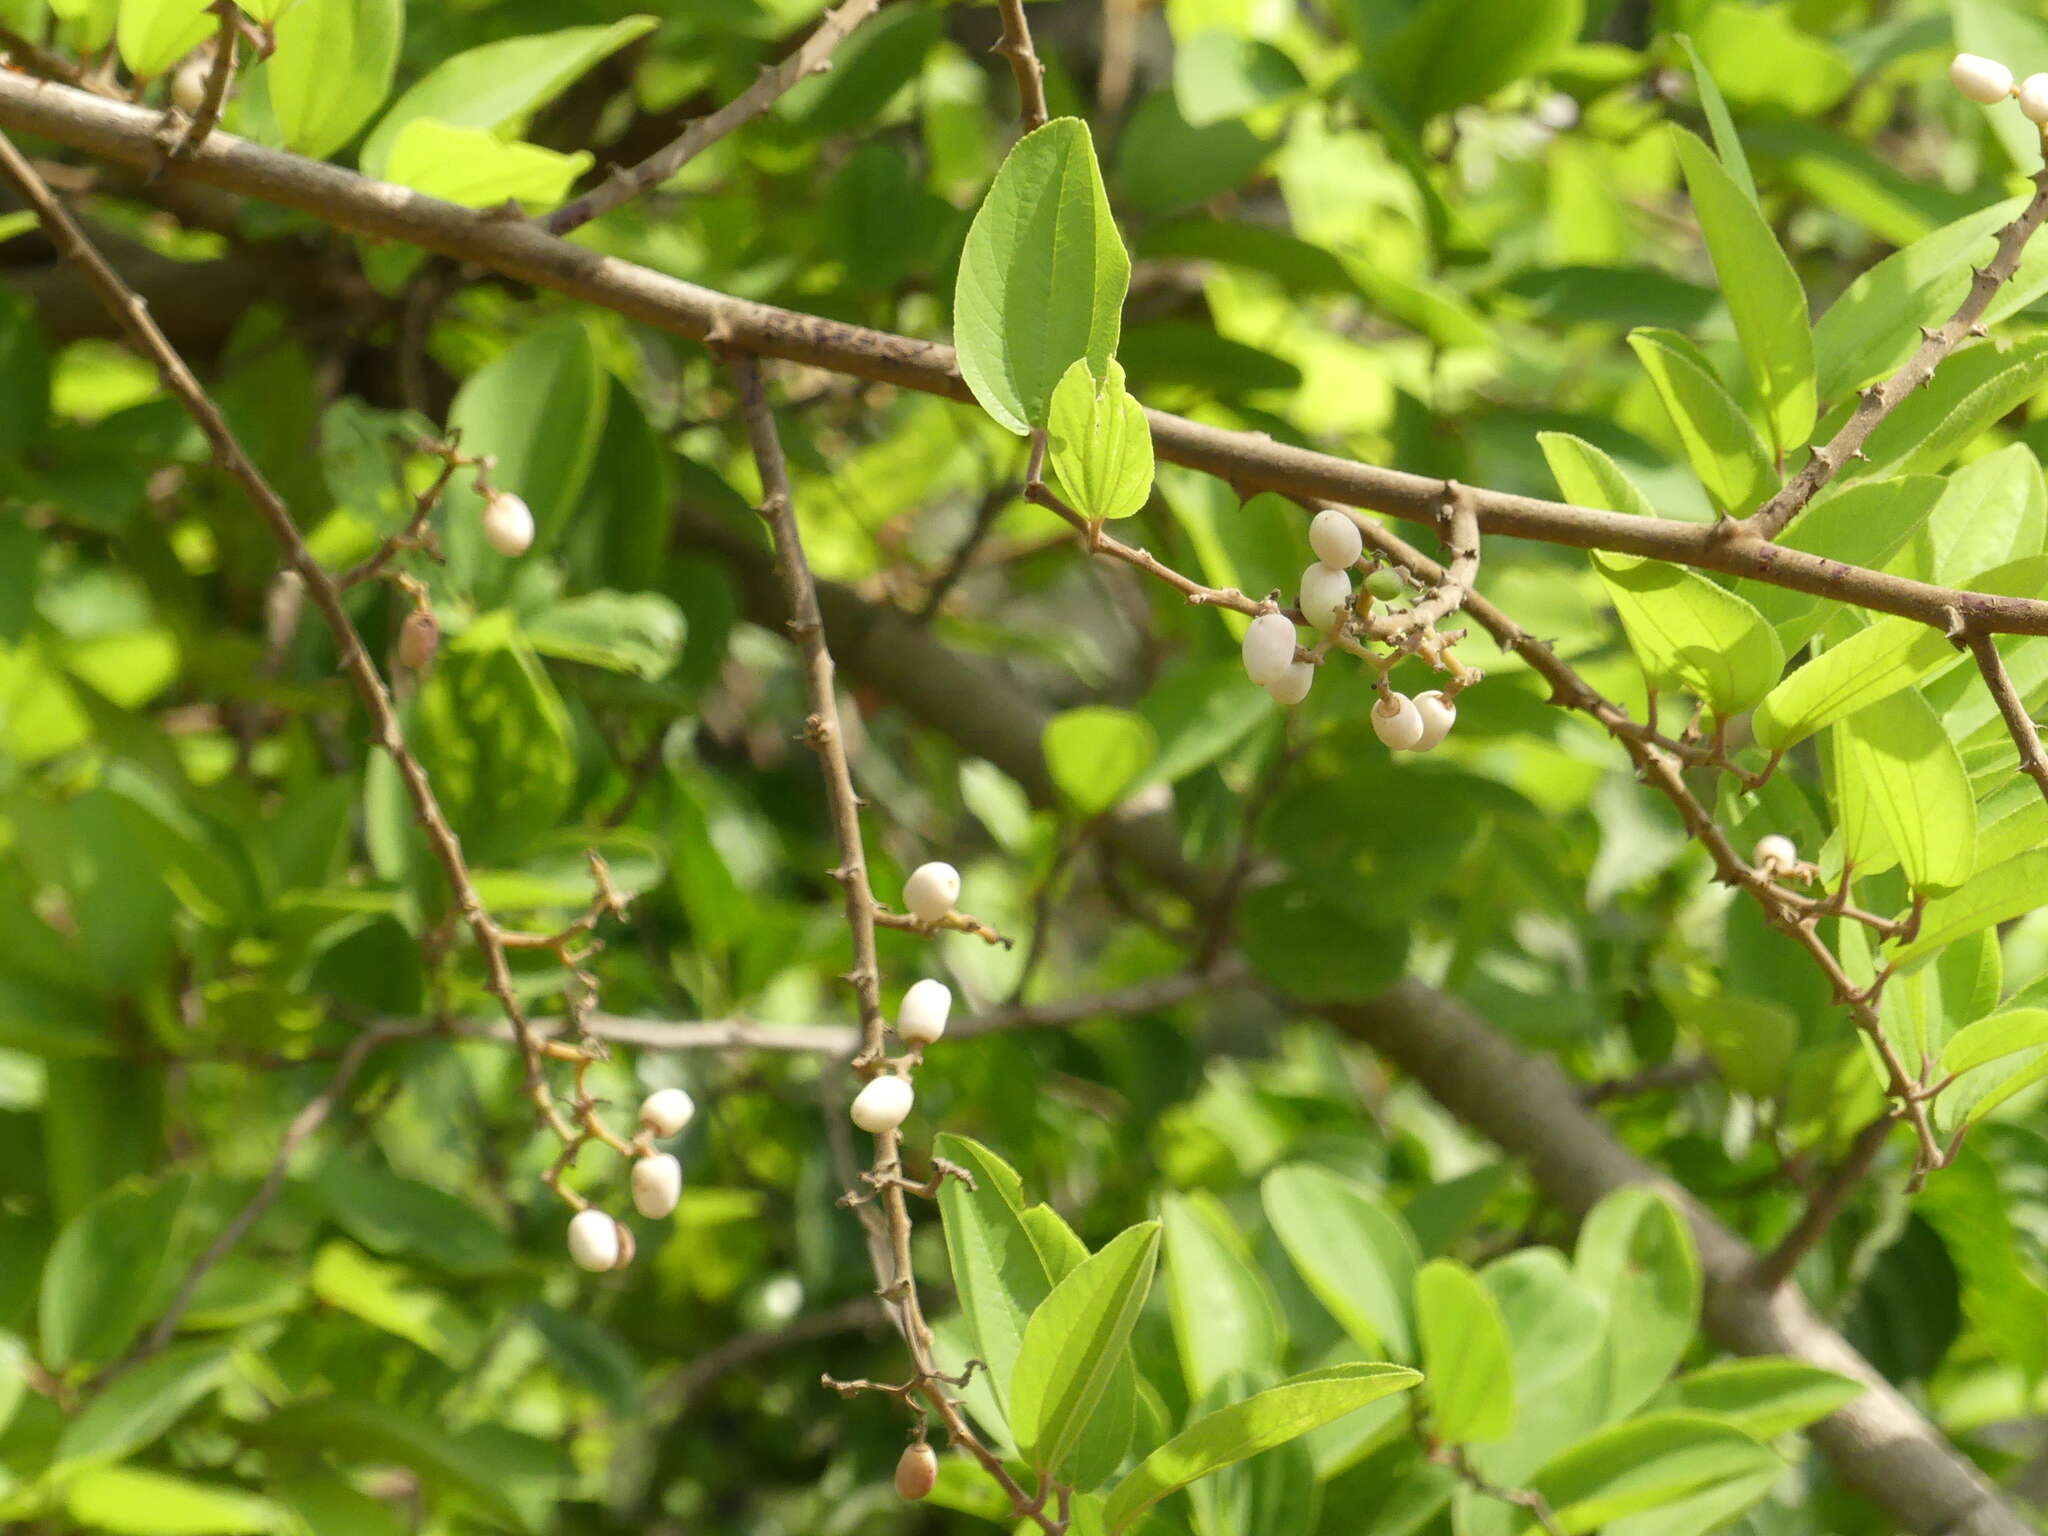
<point x="1763" y="292"/>
<point x="1225" y="1321"/>
<point x="1653" y="1463"/>
<point x="997" y="1272"/>
<point x="1903" y="788"/>
<point x="476" y="168"/>
<point x="155" y="34"/>
<point x="102" y="1271"/>
<point x="1870" y="665"/>
<point x="140" y="1406"/>
<point x="1074" y="1344"/>
<point x="1466" y="1357"/>
<point x="1588" y="476"/>
<point x="1994" y="895"/>
<point x="1636" y="1251"/>
<point x="1100" y="445"/>
<point x="1096" y="753"/>
<point x="128" y="1501"/>
<point x="1718" y="120"/>
<point x="1259" y="1423"/>
<point x="1721" y="444"/>
<point x="1685" y="629"/>
<point x="1865" y="522"/>
<point x="1042" y="277"/>
<point x="1352" y="1249"/>
<point x="1994" y="1059"/>
<point x="334" y="64"/>
<point x="2017" y="377"/>
<point x="1764" y="1397"/>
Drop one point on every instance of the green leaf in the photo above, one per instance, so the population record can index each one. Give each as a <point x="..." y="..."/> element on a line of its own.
<point x="1466" y="1357"/>
<point x="265" y="10"/>
<point x="639" y="633"/>
<point x="1994" y="512"/>
<point x="1902" y="787"/>
<point x="2001" y="1298"/>
<point x="1720" y="443"/>
<point x="1042" y="277"/>
<point x="1074" y="1343"/>
<point x="403" y="1217"/>
<point x="128" y="1501"/>
<point x="1994" y="1059"/>
<point x="1449" y="52"/>
<point x="142" y="1404"/>
<point x="1765" y="1397"/>
<point x="477" y="169"/>
<point x="1100" y="443"/>
<point x="998" y="1273"/>
<point x="1718" y="120"/>
<point x="1685" y="629"/>
<point x="102" y="1271"/>
<point x="1751" y="1039"/>
<point x="1225" y="1321"/>
<point x="1260" y="1422"/>
<point x="1865" y="522"/>
<point x="1651" y="1463"/>
<point x="499" y="86"/>
<point x="371" y="1432"/>
<point x="1219" y="73"/>
<point x="1871" y="665"/>
<point x="1763" y="292"/>
<point x="1998" y="383"/>
<point x="1994" y="895"/>
<point x="1351" y="1248"/>
<point x="1553" y="1321"/>
<point x="1635" y="1250"/>
<point x="1588" y="476"/>
<point x="1096" y="753"/>
<point x="334" y="63"/>
<point x="155" y="34"/>
<point x="385" y="1297"/>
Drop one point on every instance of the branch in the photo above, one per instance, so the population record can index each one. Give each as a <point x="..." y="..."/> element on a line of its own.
<point x="27" y="55"/>
<point x="1245" y="459"/>
<point x="1782" y="1262"/>
<point x="218" y="79"/>
<point x="2033" y="760"/>
<point x="1024" y="64"/>
<point x="813" y="56"/>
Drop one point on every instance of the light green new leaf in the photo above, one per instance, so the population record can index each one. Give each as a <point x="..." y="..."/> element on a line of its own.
<point x="1449" y="52"/>
<point x="1865" y="522"/>
<point x="265" y="10"/>
<point x="1352" y="1249"/>
<point x="1994" y="1058"/>
<point x="1994" y="511"/>
<point x="997" y="1271"/>
<point x="102" y="1271"/>
<point x="1588" y="476"/>
<point x="1554" y="1322"/>
<point x="639" y="633"/>
<point x="141" y="1405"/>
<point x="128" y="1501"/>
<point x="2002" y="1034"/>
<point x="154" y="34"/>
<point x="1870" y="665"/>
<point x="1074" y="1343"/>
<point x="1997" y="397"/>
<point x="1096" y="753"/>
<point x="335" y="61"/>
<point x="1685" y="629"/>
<point x="476" y="168"/>
<point x="1636" y="1251"/>
<point x="1720" y="443"/>
<point x="1650" y="1463"/>
<point x="1042" y="277"/>
<point x="1718" y="120"/>
<point x="499" y="86"/>
<point x="1225" y="1322"/>
<point x="1466" y="1356"/>
<point x="1763" y="292"/>
<point x="386" y="1296"/>
<point x="1099" y="443"/>
<point x="1897" y="772"/>
<point x="1260" y="1422"/>
<point x="1994" y="895"/>
<point x="1765" y="1397"/>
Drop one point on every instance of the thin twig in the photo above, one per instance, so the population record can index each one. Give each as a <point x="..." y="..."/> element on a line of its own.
<point x="1016" y="46"/>
<point x="1827" y="1202"/>
<point x="45" y="65"/>
<point x="2025" y="736"/>
<point x="811" y="57"/>
<point x="218" y="78"/>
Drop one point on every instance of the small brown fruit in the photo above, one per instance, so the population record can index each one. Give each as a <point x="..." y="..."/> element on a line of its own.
<point x="418" y="638"/>
<point x="917" y="1471"/>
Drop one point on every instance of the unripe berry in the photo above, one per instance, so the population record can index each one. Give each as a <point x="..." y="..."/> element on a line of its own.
<point x="1325" y="596"/>
<point x="1439" y="714"/>
<point x="598" y="1243"/>
<point x="657" y="1185"/>
<point x="188" y="82"/>
<point x="1268" y="648"/>
<point x="930" y="891"/>
<point x="1397" y="722"/>
<point x="922" y="1018"/>
<point x="1980" y="79"/>
<point x="1293" y="685"/>
<point x="1385" y="584"/>
<point x="1335" y="539"/>
<point x="2034" y="98"/>
<point x="508" y="524"/>
<point x="664" y="1112"/>
<point x="1776" y="853"/>
<point x="418" y="638"/>
<point x="917" y="1471"/>
<point x="883" y="1104"/>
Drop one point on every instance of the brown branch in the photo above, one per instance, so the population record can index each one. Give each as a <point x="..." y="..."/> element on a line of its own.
<point x="2025" y="736"/>
<point x="218" y="78"/>
<point x="1827" y="1203"/>
<point x="1879" y="401"/>
<point x="813" y="56"/>
<point x="45" y="65"/>
<point x="1015" y="46"/>
<point x="1247" y="460"/>
<point x="1526" y="1499"/>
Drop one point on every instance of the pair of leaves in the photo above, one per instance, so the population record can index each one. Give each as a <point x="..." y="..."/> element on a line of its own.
<point x="1688" y="631"/>
<point x="1903" y="795"/>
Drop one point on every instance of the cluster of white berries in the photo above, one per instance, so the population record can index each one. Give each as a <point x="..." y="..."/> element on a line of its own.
<point x="1413" y="725"/>
<point x="598" y="1241"/>
<point x="885" y="1102"/>
<point x="1989" y="81"/>
<point x="508" y="524"/>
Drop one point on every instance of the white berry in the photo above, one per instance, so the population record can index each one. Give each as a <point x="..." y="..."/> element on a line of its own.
<point x="598" y="1243"/>
<point x="188" y="82"/>
<point x="1439" y="714"/>
<point x="657" y="1185"/>
<point x="508" y="524"/>
<point x="883" y="1104"/>
<point x="1980" y="79"/>
<point x="930" y="891"/>
<point x="664" y="1112"/>
<point x="2034" y="98"/>
<point x="922" y="1018"/>
<point x="1325" y="596"/>
<point x="1397" y="722"/>
<point x="1268" y="648"/>
<point x="1335" y="539"/>
<point x="1776" y="853"/>
<point x="1293" y="684"/>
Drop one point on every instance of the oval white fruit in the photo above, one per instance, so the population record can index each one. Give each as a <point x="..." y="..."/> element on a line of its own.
<point x="657" y="1185"/>
<point x="883" y="1105"/>
<point x="1335" y="539"/>
<point x="1293" y="684"/>
<point x="598" y="1243"/>
<point x="1268" y="648"/>
<point x="1439" y="714"/>
<point x="1776" y="851"/>
<point x="1397" y="722"/>
<point x="930" y="891"/>
<point x="917" y="1471"/>
<point x="1980" y="79"/>
<point x="508" y="525"/>
<point x="664" y="1112"/>
<point x="922" y="1018"/>
<point x="2034" y="98"/>
<point x="188" y="82"/>
<point x="1325" y="596"/>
